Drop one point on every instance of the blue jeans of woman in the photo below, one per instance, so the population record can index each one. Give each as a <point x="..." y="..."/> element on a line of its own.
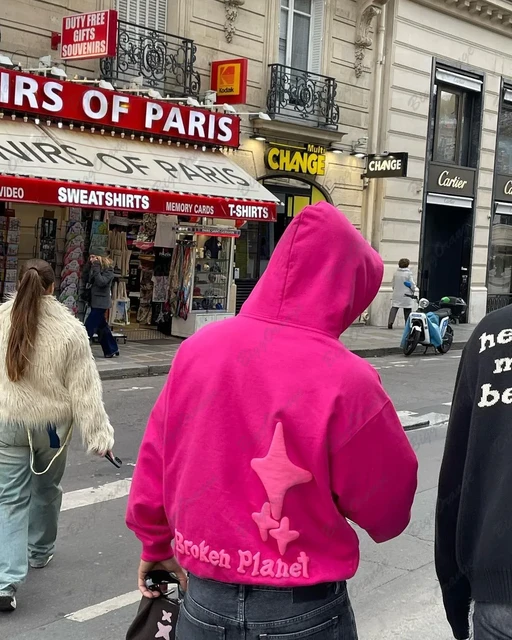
<point x="97" y="322"/>
<point x="29" y="504"/>
<point x="219" y="611"/>
<point x="492" y="621"/>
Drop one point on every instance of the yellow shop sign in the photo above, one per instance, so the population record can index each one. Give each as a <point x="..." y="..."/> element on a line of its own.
<point x="310" y="159"/>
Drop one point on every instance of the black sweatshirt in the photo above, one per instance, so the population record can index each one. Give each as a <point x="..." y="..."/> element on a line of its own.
<point x="474" y="509"/>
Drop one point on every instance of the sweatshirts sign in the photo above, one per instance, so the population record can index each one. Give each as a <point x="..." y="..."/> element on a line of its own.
<point x="268" y="446"/>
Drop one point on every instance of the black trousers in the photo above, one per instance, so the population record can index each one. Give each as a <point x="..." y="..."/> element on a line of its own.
<point x="392" y="315"/>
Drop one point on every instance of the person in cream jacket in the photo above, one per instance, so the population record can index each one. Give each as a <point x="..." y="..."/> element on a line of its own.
<point x="48" y="384"/>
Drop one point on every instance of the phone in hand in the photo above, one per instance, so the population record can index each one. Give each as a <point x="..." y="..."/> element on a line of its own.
<point x="117" y="462"/>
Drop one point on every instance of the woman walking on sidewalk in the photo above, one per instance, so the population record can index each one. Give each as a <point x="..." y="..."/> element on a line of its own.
<point x="48" y="380"/>
<point x="98" y="276"/>
<point x="258" y="455"/>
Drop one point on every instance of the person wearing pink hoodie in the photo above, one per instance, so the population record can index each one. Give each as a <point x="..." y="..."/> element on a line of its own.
<point x="268" y="440"/>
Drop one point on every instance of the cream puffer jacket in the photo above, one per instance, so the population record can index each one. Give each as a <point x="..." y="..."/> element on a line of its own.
<point x="61" y="385"/>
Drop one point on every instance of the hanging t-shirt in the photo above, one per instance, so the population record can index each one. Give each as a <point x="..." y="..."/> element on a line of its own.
<point x="166" y="231"/>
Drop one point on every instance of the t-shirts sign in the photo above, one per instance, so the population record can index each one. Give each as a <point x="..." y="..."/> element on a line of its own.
<point x="89" y="35"/>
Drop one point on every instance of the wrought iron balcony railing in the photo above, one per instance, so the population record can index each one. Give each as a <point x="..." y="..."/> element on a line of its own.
<point x="164" y="61"/>
<point x="302" y="95"/>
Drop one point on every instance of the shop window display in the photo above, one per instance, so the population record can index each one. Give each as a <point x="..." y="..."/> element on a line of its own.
<point x="9" y="242"/>
<point x="504" y="153"/>
<point x="499" y="280"/>
<point x="500" y="256"/>
<point x="73" y="262"/>
<point x="200" y="279"/>
<point x="211" y="274"/>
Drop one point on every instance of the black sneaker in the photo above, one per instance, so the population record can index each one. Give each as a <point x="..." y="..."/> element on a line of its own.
<point x="7" y="602"/>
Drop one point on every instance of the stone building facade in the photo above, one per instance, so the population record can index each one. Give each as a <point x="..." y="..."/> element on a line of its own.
<point x="340" y="79"/>
<point x="302" y="70"/>
<point x="446" y="72"/>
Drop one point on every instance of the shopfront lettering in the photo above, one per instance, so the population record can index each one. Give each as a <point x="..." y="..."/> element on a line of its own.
<point x="34" y="152"/>
<point x="69" y="193"/>
<point x="451" y="180"/>
<point x="246" y="211"/>
<point x="187" y="208"/>
<point x="11" y="193"/>
<point x="385" y="165"/>
<point x="503" y="188"/>
<point x="107" y="199"/>
<point x="446" y="180"/>
<point x="89" y="35"/>
<point x="78" y="103"/>
<point x="310" y="160"/>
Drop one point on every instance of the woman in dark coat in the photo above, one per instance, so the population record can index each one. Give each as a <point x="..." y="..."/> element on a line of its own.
<point x="98" y="275"/>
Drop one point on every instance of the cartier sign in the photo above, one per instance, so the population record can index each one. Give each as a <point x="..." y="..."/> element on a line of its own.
<point x="451" y="180"/>
<point x="503" y="190"/>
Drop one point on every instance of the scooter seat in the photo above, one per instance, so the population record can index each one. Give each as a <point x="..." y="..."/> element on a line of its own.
<point x="443" y="313"/>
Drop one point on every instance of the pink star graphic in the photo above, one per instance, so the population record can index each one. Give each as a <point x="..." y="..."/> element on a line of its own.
<point x="265" y="521"/>
<point x="164" y="631"/>
<point x="284" y="535"/>
<point x="278" y="473"/>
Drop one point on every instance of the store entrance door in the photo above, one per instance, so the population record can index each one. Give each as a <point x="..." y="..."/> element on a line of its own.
<point x="258" y="240"/>
<point x="446" y="252"/>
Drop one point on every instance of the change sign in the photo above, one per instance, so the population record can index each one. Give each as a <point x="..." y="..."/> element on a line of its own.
<point x="391" y="165"/>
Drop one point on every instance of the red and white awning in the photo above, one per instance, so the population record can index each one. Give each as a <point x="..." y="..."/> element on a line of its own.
<point x="68" y="168"/>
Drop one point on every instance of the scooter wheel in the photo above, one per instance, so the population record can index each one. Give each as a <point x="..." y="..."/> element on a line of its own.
<point x="447" y="341"/>
<point x="411" y="343"/>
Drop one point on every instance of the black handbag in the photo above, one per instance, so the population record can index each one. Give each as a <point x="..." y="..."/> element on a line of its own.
<point x="157" y="617"/>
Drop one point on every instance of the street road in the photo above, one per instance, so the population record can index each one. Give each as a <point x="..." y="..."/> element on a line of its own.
<point x="89" y="591"/>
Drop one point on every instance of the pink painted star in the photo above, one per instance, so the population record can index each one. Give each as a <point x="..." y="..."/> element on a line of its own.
<point x="164" y="631"/>
<point x="265" y="521"/>
<point x="284" y="535"/>
<point x="278" y="473"/>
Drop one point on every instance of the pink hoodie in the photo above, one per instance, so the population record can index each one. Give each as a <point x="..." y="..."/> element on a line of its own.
<point x="269" y="436"/>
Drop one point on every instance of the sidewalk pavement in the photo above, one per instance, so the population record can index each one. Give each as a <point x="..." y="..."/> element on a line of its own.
<point x="154" y="357"/>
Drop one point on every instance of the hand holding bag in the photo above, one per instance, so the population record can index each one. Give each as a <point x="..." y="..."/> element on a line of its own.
<point x="157" y="617"/>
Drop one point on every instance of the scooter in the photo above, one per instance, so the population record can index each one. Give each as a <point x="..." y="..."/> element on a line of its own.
<point x="430" y="324"/>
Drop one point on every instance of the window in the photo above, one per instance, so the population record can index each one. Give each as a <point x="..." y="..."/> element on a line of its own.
<point x="151" y="14"/>
<point x="447" y="124"/>
<point x="456" y="127"/>
<point x="499" y="277"/>
<point x="300" y="34"/>
<point x="504" y="157"/>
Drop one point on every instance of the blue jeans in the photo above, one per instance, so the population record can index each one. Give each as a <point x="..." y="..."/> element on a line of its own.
<point x="96" y="321"/>
<point x="492" y="621"/>
<point x="29" y="504"/>
<point x="219" y="611"/>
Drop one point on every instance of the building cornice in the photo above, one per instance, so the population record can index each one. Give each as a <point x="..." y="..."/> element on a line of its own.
<point x="493" y="15"/>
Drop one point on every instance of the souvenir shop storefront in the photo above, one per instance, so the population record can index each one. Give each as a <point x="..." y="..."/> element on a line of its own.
<point x="89" y="171"/>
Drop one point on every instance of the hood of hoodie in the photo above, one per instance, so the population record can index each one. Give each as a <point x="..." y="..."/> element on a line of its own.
<point x="322" y="275"/>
